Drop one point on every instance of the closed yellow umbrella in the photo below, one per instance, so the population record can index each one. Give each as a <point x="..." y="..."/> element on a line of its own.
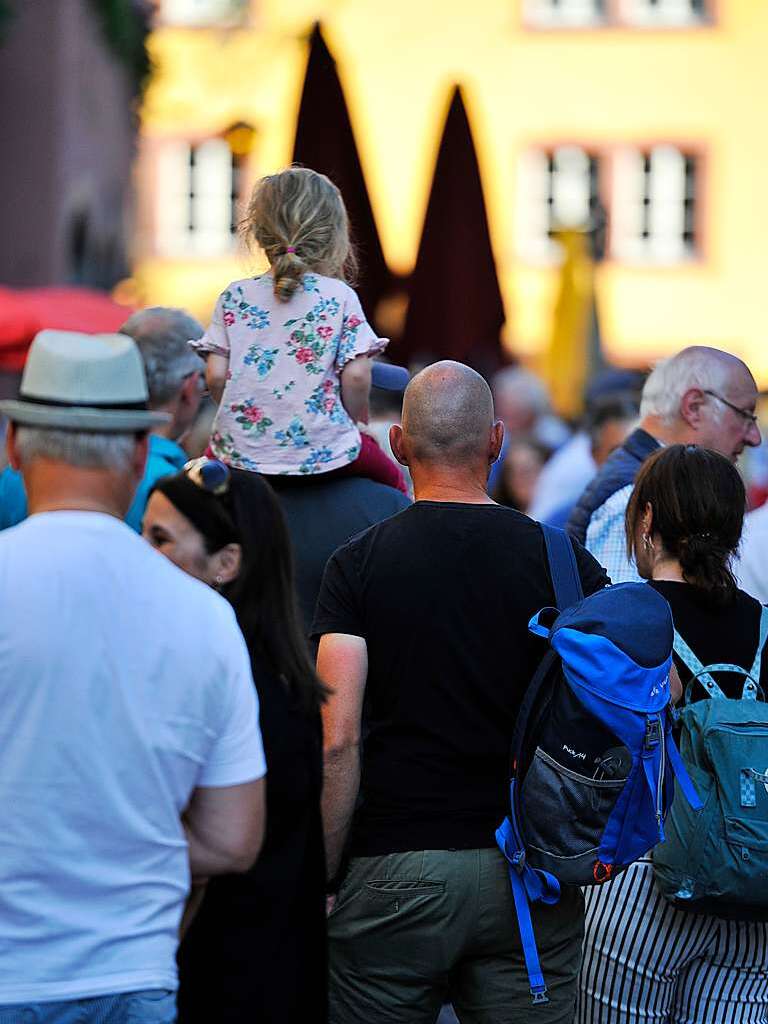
<point x="569" y="360"/>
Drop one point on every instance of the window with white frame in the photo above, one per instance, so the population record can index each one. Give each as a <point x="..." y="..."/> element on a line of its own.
<point x="558" y="188"/>
<point x="197" y="196"/>
<point x="563" y="13"/>
<point x="659" y="13"/>
<point x="203" y="12"/>
<point x="653" y="209"/>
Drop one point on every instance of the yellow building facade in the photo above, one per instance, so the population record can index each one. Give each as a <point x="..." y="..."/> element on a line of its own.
<point x="649" y="108"/>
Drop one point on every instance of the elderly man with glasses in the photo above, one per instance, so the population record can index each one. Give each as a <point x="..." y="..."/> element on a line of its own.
<point x="176" y="386"/>
<point x="700" y="396"/>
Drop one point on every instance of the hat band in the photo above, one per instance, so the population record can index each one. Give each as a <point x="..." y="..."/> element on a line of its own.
<point x="118" y="406"/>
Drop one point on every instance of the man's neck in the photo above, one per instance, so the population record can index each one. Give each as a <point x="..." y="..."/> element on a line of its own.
<point x="455" y="485"/>
<point x="53" y="489"/>
<point x="666" y="433"/>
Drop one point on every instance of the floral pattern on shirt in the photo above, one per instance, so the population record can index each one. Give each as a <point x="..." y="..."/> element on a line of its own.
<point x="325" y="400"/>
<point x="311" y="335"/>
<point x="263" y="359"/>
<point x="294" y="434"/>
<point x="235" y="307"/>
<point x="281" y="412"/>
<point x="251" y="416"/>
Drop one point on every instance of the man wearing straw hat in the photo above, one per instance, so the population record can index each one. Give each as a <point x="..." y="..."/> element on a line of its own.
<point x="130" y="754"/>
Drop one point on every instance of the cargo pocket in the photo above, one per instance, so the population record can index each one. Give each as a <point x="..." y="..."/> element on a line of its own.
<point x="565" y="816"/>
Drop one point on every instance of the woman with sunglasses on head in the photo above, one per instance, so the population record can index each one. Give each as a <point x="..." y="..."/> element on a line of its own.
<point x="647" y="958"/>
<point x="255" y="949"/>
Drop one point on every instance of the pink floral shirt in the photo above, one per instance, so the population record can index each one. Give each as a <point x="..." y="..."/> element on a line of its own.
<point x="281" y="411"/>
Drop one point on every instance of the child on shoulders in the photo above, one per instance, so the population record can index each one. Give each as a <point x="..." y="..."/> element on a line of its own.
<point x="289" y="352"/>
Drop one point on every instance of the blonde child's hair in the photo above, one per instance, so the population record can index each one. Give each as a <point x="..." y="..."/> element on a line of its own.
<point x="299" y="220"/>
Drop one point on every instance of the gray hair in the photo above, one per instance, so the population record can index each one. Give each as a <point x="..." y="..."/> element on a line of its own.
<point x="525" y="387"/>
<point x="694" y="367"/>
<point x="84" y="449"/>
<point x="162" y="335"/>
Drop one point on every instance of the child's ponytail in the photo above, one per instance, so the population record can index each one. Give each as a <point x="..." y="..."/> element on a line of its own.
<point x="299" y="220"/>
<point x="287" y="270"/>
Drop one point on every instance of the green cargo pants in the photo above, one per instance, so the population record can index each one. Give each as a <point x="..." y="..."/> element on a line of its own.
<point x="410" y="931"/>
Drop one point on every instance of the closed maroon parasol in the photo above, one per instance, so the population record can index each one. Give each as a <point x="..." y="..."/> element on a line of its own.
<point x="325" y="142"/>
<point x="455" y="309"/>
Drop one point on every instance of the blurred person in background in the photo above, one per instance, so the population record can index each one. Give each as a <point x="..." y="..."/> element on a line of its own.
<point x="700" y="396"/>
<point x="573" y="465"/>
<point x="520" y="470"/>
<point x="751" y="565"/>
<point x="609" y="421"/>
<point x="645" y="959"/>
<point x="522" y="403"/>
<point x="175" y="381"/>
<point x="128" y="761"/>
<point x="256" y="949"/>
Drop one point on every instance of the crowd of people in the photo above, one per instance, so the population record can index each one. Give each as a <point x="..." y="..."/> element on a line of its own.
<point x="259" y="690"/>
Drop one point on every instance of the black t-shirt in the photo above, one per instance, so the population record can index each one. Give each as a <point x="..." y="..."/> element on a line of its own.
<point x="442" y="594"/>
<point x="715" y="633"/>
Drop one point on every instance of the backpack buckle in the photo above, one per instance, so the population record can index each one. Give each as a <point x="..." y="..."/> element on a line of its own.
<point x="518" y="861"/>
<point x="652" y="732"/>
<point x="539" y="995"/>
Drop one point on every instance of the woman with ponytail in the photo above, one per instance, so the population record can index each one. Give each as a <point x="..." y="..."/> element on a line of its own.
<point x="289" y="352"/>
<point x="645" y="959"/>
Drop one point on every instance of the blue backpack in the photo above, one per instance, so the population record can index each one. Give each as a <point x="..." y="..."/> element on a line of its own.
<point x="716" y="860"/>
<point x="593" y="758"/>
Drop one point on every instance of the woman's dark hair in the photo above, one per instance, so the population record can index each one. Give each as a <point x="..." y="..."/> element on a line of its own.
<point x="698" y="502"/>
<point x="263" y="594"/>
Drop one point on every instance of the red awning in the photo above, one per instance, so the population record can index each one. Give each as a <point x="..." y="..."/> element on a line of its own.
<point x="25" y="311"/>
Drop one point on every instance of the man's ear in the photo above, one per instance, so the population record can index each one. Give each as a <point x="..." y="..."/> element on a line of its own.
<point x="691" y="405"/>
<point x="396" y="443"/>
<point x="495" y="441"/>
<point x="190" y="388"/>
<point x="11" y="447"/>
<point x="229" y="560"/>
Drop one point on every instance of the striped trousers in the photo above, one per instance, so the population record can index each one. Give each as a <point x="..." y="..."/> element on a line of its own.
<point x="645" y="961"/>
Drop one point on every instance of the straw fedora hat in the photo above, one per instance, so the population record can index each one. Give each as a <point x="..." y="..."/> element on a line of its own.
<point x="86" y="382"/>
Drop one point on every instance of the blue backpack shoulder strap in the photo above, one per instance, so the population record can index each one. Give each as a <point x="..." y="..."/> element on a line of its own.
<point x="562" y="567"/>
<point x="698" y="671"/>
<point x="758" y="662"/>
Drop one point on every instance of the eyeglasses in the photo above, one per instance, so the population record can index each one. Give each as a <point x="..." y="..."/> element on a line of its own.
<point x="749" y="418"/>
<point x="210" y="475"/>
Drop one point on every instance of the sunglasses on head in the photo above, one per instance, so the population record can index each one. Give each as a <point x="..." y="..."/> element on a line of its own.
<point x="209" y="475"/>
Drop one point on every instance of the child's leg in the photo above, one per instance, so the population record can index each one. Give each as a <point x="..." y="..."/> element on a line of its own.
<point x="375" y="464"/>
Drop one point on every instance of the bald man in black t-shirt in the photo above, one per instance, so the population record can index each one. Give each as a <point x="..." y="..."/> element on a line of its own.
<point x="424" y="641"/>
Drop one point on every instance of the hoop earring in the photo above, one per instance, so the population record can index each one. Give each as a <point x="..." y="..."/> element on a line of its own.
<point x="219" y="580"/>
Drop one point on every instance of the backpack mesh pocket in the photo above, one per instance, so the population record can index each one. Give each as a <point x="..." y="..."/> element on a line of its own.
<point x="565" y="819"/>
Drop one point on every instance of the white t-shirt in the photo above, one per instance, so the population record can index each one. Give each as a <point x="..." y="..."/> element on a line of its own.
<point x="124" y="685"/>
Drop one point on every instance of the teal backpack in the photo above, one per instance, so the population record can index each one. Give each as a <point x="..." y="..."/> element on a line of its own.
<point x="715" y="860"/>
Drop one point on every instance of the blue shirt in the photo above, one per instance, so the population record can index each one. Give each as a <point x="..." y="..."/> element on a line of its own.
<point x="164" y="457"/>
